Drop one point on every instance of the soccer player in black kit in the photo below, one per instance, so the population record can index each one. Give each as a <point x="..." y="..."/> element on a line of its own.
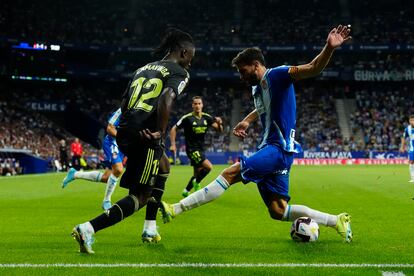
<point x="146" y="106"/>
<point x="195" y="125"/>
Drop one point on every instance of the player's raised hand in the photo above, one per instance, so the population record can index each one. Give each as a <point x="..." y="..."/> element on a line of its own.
<point x="240" y="129"/>
<point x="338" y="36"/>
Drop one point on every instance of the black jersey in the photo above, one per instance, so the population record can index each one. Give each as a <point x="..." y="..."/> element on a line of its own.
<point x="140" y="101"/>
<point x="63" y="150"/>
<point x="195" y="129"/>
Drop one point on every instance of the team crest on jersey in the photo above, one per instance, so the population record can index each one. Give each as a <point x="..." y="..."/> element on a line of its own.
<point x="182" y="86"/>
<point x="114" y="155"/>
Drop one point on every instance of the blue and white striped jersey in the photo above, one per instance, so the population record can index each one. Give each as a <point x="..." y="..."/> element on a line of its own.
<point x="409" y="134"/>
<point x="275" y="103"/>
<point x="114" y="120"/>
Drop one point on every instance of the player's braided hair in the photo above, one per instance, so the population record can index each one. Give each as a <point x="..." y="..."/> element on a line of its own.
<point x="173" y="39"/>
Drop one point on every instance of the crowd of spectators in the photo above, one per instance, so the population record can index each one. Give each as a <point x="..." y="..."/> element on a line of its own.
<point x="22" y="130"/>
<point x="9" y="166"/>
<point x="28" y="130"/>
<point x="317" y="120"/>
<point x="382" y="115"/>
<point x="228" y="22"/>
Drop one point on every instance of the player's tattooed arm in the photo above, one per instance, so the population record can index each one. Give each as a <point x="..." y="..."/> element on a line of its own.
<point x="336" y="37"/>
<point x="164" y="109"/>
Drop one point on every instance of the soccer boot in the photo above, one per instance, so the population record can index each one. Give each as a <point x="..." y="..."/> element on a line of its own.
<point x="185" y="193"/>
<point x="106" y="205"/>
<point x="148" y="237"/>
<point x="196" y="185"/>
<point x="343" y="226"/>
<point x="69" y="177"/>
<point x="167" y="212"/>
<point x="85" y="239"/>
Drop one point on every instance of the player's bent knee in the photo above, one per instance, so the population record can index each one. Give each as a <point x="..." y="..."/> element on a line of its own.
<point x="117" y="172"/>
<point x="231" y="173"/>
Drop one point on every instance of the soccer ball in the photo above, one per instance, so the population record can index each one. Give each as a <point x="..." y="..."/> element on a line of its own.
<point x="304" y="230"/>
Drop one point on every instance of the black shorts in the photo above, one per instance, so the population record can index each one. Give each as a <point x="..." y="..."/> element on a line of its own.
<point x="142" y="164"/>
<point x="196" y="157"/>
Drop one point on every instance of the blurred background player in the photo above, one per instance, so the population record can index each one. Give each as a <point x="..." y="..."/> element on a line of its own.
<point x="76" y="152"/>
<point x="409" y="135"/>
<point x="112" y="162"/>
<point x="146" y="107"/>
<point x="275" y="106"/>
<point x="63" y="155"/>
<point x="195" y="127"/>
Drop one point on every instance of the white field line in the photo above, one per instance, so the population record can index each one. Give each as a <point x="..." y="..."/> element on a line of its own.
<point x="201" y="265"/>
<point x="392" y="273"/>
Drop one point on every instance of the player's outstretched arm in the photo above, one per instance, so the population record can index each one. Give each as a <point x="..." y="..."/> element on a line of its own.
<point x="240" y="129"/>
<point x="336" y="37"/>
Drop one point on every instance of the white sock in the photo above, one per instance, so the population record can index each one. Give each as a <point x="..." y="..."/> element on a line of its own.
<point x="150" y="226"/>
<point x="110" y="186"/>
<point x="293" y="212"/>
<point x="94" y="176"/>
<point x="412" y="171"/>
<point x="207" y="194"/>
<point x="88" y="227"/>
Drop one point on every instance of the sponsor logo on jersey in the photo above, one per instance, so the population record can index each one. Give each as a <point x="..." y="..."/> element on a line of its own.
<point x="285" y="171"/>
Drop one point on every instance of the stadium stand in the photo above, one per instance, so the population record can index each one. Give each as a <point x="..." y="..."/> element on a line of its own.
<point x="100" y="52"/>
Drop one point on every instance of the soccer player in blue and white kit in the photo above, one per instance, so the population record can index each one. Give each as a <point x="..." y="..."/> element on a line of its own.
<point x="113" y="163"/>
<point x="269" y="167"/>
<point x="409" y="135"/>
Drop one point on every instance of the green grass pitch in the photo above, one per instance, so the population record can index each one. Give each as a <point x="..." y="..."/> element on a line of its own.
<point x="37" y="216"/>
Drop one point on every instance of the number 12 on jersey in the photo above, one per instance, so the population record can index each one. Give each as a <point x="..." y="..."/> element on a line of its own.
<point x="150" y="88"/>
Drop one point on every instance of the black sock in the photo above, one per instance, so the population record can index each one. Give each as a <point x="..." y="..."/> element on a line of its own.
<point x="190" y="184"/>
<point x="201" y="174"/>
<point x="157" y="192"/>
<point x="120" y="210"/>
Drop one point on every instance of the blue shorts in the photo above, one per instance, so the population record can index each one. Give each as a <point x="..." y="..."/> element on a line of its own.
<point x="269" y="168"/>
<point x="112" y="154"/>
<point x="411" y="155"/>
